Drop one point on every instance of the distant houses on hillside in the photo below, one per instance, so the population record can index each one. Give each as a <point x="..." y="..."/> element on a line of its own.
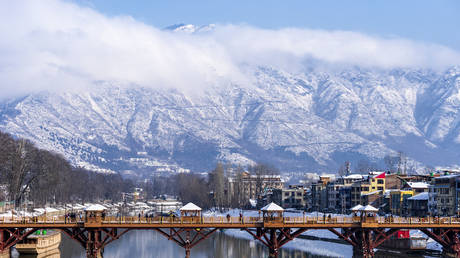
<point x="437" y="194"/>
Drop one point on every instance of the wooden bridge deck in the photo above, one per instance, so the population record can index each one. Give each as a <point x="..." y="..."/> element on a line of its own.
<point x="363" y="233"/>
<point x="233" y="222"/>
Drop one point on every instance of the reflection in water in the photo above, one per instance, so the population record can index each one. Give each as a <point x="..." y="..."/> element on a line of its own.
<point x="150" y="244"/>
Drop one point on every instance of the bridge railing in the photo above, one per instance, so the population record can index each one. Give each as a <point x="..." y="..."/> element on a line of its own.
<point x="417" y="220"/>
<point x="232" y="220"/>
<point x="40" y="219"/>
<point x="182" y="220"/>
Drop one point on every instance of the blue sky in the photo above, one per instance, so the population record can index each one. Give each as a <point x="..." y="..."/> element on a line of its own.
<point x="436" y="21"/>
<point x="64" y="44"/>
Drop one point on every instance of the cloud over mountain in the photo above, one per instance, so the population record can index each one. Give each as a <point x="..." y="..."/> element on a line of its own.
<point x="57" y="45"/>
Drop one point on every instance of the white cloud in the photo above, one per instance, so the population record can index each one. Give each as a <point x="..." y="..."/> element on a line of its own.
<point x="55" y="45"/>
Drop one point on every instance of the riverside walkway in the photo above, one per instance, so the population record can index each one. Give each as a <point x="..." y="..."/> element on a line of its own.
<point x="364" y="233"/>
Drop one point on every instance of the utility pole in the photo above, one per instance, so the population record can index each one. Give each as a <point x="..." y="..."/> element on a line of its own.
<point x="347" y="168"/>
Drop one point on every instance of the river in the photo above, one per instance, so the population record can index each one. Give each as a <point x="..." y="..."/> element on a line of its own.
<point x="228" y="244"/>
<point x="150" y="244"/>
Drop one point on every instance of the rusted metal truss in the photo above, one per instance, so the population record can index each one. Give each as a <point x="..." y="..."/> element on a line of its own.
<point x="11" y="236"/>
<point x="275" y="238"/>
<point x="365" y="240"/>
<point x="94" y="239"/>
<point x="449" y="238"/>
<point x="187" y="238"/>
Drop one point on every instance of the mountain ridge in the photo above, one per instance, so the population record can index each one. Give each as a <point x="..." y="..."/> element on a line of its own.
<point x="307" y="121"/>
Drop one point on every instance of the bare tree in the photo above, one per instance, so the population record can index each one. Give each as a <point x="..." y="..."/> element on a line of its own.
<point x="238" y="197"/>
<point x="49" y="177"/>
<point x="217" y="184"/>
<point x="192" y="188"/>
<point x="344" y="169"/>
<point x="261" y="170"/>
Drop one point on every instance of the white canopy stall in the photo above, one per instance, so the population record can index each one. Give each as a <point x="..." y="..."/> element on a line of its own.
<point x="190" y="210"/>
<point x="95" y="213"/>
<point x="272" y="212"/>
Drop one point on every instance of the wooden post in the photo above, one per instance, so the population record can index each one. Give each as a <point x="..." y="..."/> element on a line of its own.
<point x="274" y="248"/>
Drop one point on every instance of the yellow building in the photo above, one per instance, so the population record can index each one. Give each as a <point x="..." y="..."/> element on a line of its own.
<point x="368" y="190"/>
<point x="399" y="204"/>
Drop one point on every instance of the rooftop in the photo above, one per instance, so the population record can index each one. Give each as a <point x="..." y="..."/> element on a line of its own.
<point x="353" y="176"/>
<point x="272" y="207"/>
<point x="420" y="196"/>
<point x="190" y="207"/>
<point x="418" y="185"/>
<point x="371" y="193"/>
<point x="95" y="207"/>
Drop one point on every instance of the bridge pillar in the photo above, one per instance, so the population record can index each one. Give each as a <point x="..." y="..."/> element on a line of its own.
<point x="187" y="244"/>
<point x="364" y="240"/>
<point x="364" y="244"/>
<point x="184" y="237"/>
<point x="274" y="245"/>
<point x="275" y="238"/>
<point x="94" y="239"/>
<point x="94" y="246"/>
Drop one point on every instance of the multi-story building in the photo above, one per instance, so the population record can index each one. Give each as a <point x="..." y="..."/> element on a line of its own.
<point x="399" y="199"/>
<point x="293" y="197"/>
<point x="333" y="196"/>
<point x="444" y="195"/>
<point x="418" y="205"/>
<point x="253" y="186"/>
<point x="339" y="193"/>
<point x="319" y="196"/>
<point x="369" y="190"/>
<point x="432" y="201"/>
<point x="393" y="181"/>
<point x="399" y="204"/>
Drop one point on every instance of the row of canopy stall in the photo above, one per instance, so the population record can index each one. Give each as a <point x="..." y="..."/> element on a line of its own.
<point x="273" y="210"/>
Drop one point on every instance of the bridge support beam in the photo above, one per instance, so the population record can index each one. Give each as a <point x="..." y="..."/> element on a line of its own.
<point x="94" y="239"/>
<point x="275" y="238"/>
<point x="449" y="238"/>
<point x="187" y="238"/>
<point x="11" y="236"/>
<point x="364" y="240"/>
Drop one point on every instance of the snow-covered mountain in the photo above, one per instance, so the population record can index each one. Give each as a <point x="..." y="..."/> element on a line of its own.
<point x="304" y="122"/>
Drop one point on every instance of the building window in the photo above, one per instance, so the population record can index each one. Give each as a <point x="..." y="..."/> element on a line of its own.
<point x="380" y="182"/>
<point x="444" y="190"/>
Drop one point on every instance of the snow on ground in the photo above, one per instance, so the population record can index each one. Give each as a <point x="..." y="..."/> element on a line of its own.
<point x="430" y="244"/>
<point x="309" y="246"/>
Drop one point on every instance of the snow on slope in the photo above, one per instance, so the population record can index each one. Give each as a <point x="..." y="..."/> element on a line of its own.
<point x="307" y="121"/>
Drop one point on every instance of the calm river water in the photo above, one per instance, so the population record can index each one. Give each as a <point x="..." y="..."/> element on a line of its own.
<point x="150" y="244"/>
